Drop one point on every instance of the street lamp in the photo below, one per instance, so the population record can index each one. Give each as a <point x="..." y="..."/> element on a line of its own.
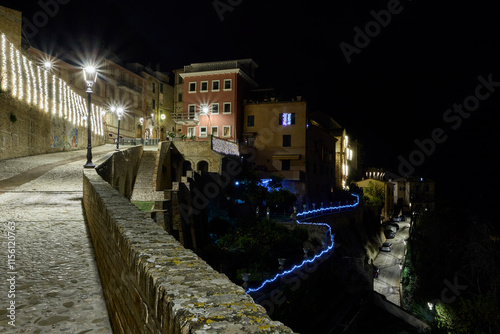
<point x="90" y="77"/>
<point x="119" y="112"/>
<point x="141" y="120"/>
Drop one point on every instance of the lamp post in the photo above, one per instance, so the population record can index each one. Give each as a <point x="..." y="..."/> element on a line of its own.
<point x="119" y="113"/>
<point x="90" y="77"/>
<point x="142" y="128"/>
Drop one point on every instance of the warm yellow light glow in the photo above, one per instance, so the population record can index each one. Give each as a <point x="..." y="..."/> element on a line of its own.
<point x="32" y="84"/>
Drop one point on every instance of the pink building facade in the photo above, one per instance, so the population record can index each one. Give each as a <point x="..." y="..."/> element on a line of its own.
<point x="212" y="99"/>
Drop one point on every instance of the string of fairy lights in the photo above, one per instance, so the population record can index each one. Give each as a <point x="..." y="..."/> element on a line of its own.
<point x="36" y="86"/>
<point x="328" y="248"/>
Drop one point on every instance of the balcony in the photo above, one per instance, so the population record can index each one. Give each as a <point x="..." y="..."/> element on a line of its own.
<point x="186" y="118"/>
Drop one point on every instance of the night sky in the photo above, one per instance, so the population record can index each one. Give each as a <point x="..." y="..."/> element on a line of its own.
<point x="396" y="88"/>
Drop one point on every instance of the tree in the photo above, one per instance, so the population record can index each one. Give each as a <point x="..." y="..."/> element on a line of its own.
<point x="374" y="194"/>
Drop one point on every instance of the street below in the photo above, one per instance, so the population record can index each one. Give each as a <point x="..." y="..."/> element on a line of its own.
<point x="390" y="265"/>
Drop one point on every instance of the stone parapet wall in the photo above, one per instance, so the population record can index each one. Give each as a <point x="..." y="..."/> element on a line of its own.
<point x="154" y="285"/>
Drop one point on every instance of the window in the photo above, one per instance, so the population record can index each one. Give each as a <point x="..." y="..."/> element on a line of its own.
<point x="227" y="108"/>
<point x="214" y="131"/>
<point x="191" y="111"/>
<point x="215" y="109"/>
<point x="204" y="86"/>
<point x="285" y="164"/>
<point x="154" y="104"/>
<point x="179" y="97"/>
<point x="287" y="140"/>
<point x="161" y="87"/>
<point x="250" y="120"/>
<point x="203" y="131"/>
<point x="226" y="131"/>
<point x="215" y="85"/>
<point x="287" y="119"/>
<point x="228" y="84"/>
<point x="192" y="87"/>
<point x="154" y="88"/>
<point x="190" y="132"/>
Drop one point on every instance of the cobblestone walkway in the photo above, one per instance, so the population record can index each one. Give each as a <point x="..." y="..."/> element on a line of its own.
<point x="53" y="281"/>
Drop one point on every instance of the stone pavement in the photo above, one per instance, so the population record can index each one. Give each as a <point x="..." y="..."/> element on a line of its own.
<point x="52" y="284"/>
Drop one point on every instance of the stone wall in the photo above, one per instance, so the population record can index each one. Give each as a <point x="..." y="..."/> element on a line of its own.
<point x="11" y="24"/>
<point x="154" y="285"/>
<point x="26" y="130"/>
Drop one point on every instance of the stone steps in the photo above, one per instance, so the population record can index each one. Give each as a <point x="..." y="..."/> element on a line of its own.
<point x="144" y="183"/>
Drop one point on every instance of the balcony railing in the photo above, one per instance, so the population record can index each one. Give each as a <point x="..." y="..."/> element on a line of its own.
<point x="186" y="118"/>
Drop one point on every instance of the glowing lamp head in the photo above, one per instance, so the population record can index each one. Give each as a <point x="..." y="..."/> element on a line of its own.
<point x="141" y="120"/>
<point x="120" y="112"/>
<point x="47" y="65"/>
<point x="162" y="117"/>
<point x="90" y="77"/>
<point x="204" y="110"/>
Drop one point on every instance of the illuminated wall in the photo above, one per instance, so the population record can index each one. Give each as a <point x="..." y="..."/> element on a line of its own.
<point x="35" y="90"/>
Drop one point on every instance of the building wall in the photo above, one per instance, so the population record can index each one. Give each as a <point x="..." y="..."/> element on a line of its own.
<point x="11" y="25"/>
<point x="266" y="135"/>
<point x="40" y="112"/>
<point x="210" y="97"/>
<point x="321" y="167"/>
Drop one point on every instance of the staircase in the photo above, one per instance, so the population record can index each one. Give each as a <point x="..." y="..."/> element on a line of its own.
<point x="144" y="189"/>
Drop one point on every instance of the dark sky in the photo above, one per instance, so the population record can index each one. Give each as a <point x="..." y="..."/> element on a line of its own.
<point x="395" y="90"/>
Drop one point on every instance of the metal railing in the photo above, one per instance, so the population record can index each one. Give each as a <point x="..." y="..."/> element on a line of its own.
<point x="138" y="141"/>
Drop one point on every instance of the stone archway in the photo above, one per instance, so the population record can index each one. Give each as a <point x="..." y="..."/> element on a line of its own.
<point x="202" y="166"/>
<point x="186" y="165"/>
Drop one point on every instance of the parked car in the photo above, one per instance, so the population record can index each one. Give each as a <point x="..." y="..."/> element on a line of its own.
<point x="376" y="271"/>
<point x="392" y="225"/>
<point x="389" y="234"/>
<point x="396" y="219"/>
<point x="386" y="247"/>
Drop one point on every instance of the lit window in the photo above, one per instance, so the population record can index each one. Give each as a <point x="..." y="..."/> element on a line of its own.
<point x="287" y="119"/>
<point x="203" y="131"/>
<point x="215" y="131"/>
<point x="204" y="86"/>
<point x="215" y="109"/>
<point x="190" y="132"/>
<point x="226" y="131"/>
<point x="227" y="108"/>
<point x="215" y="85"/>
<point x="228" y="84"/>
<point x="192" y="87"/>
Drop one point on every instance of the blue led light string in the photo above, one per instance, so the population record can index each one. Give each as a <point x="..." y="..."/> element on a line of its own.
<point x="317" y="256"/>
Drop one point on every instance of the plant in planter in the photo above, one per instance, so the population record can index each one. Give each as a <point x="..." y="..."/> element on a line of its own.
<point x="192" y="138"/>
<point x="183" y="137"/>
